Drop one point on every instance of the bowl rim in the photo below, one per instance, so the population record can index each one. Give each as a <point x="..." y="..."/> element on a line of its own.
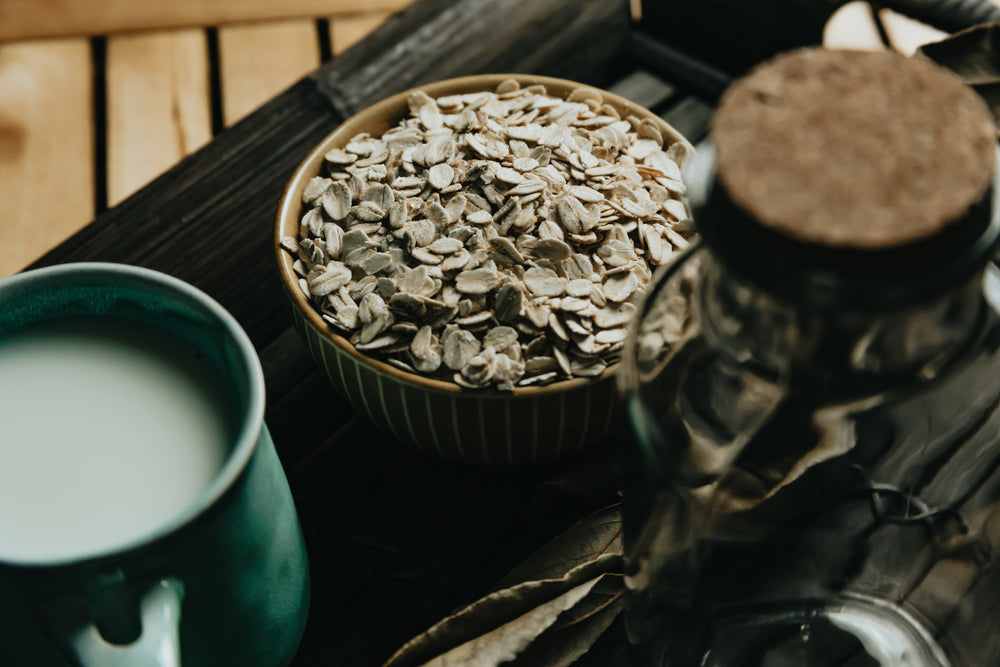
<point x="290" y="206"/>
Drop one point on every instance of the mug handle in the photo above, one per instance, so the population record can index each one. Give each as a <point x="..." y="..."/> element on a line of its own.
<point x="157" y="646"/>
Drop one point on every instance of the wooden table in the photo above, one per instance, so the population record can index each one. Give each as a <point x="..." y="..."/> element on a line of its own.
<point x="396" y="540"/>
<point x="116" y="96"/>
<point x="98" y="98"/>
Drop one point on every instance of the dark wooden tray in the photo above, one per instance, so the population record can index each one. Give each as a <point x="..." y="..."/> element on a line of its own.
<point x="396" y="540"/>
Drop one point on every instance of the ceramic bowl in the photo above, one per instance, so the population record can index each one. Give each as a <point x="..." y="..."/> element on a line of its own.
<point x="527" y="425"/>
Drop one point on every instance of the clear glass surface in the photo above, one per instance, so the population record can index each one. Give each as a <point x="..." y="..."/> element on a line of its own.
<point x="811" y="489"/>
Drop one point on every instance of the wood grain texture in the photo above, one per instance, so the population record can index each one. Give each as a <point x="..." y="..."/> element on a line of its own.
<point x="396" y="540"/>
<point x="46" y="147"/>
<point x="644" y="89"/>
<point x="208" y="220"/>
<point x="157" y="105"/>
<point x="26" y="19"/>
<point x="348" y="30"/>
<point x="429" y="41"/>
<point x="259" y="60"/>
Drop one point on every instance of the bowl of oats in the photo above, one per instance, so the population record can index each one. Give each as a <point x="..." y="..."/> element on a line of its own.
<point x="462" y="259"/>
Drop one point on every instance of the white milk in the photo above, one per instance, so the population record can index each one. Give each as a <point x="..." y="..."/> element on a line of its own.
<point x="108" y="430"/>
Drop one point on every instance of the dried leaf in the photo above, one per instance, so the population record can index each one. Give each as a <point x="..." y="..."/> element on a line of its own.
<point x="508" y="641"/>
<point x="574" y="635"/>
<point x="504" y="622"/>
<point x="596" y="535"/>
<point x="608" y="593"/>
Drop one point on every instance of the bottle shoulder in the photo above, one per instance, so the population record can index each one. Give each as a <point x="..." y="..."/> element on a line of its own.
<point x="714" y="396"/>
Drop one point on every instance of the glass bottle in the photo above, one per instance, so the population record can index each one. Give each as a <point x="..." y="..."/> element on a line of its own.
<point x="814" y="477"/>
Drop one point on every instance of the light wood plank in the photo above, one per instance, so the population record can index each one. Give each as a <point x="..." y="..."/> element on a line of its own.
<point x="258" y="61"/>
<point x="25" y="19"/>
<point x="46" y="147"/>
<point x="158" y="105"/>
<point x="346" y="31"/>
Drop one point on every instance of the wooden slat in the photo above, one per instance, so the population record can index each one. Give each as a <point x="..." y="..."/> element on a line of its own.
<point x="643" y="88"/>
<point x="346" y="31"/>
<point x="46" y="147"/>
<point x="258" y="61"/>
<point x="26" y="19"/>
<point x="158" y="105"/>
<point x="416" y="47"/>
<point x="691" y="117"/>
<point x="694" y="75"/>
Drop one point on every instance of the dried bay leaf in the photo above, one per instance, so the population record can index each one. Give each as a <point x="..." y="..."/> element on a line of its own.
<point x="506" y="642"/>
<point x="596" y="535"/>
<point x="534" y="602"/>
<point x="498" y="609"/>
<point x="566" y="643"/>
<point x="608" y="593"/>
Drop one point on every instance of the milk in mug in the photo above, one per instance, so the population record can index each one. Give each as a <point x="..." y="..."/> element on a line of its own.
<point x="109" y="430"/>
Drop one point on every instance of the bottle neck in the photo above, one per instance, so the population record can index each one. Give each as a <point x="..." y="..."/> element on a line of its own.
<point x="836" y="352"/>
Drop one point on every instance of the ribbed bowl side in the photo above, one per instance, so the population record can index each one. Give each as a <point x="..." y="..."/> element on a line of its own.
<point x="491" y="428"/>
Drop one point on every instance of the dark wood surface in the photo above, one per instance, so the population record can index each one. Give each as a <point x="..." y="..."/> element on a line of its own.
<point x="396" y="539"/>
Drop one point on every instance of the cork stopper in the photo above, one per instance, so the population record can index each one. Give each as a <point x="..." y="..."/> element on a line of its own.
<point x="853" y="149"/>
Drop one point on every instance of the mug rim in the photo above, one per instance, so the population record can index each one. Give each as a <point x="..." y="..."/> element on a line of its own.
<point x="250" y="422"/>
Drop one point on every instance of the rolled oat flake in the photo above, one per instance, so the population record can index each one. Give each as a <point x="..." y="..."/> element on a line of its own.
<point x="509" y="216"/>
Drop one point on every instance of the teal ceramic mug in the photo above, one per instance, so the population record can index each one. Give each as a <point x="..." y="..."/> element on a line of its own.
<point x="145" y="518"/>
